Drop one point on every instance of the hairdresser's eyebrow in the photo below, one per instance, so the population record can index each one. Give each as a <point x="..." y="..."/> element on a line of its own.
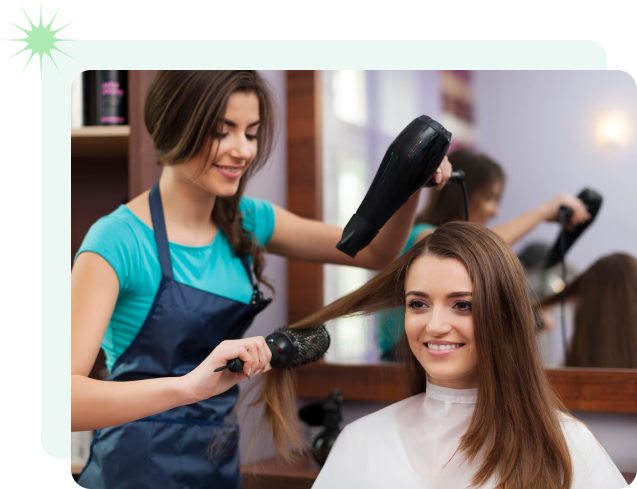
<point x="228" y="122"/>
<point x="453" y="295"/>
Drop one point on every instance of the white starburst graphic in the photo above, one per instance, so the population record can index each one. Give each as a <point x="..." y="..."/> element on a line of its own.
<point x="40" y="40"/>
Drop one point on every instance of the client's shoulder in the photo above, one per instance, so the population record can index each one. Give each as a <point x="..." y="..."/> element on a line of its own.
<point x="384" y="419"/>
<point x="580" y="439"/>
<point x="574" y="429"/>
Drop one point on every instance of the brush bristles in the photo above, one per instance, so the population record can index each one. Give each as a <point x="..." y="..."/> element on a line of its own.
<point x="313" y="343"/>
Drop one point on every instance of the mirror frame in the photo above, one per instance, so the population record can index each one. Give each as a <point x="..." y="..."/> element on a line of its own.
<point x="580" y="389"/>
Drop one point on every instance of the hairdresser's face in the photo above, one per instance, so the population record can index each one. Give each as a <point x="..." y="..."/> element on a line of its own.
<point x="233" y="148"/>
<point x="485" y="206"/>
<point x="439" y="322"/>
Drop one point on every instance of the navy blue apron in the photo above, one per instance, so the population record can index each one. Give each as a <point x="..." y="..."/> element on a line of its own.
<point x="171" y="449"/>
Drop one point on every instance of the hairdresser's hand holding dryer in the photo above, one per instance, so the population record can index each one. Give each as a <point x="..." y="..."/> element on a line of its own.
<point x="167" y="285"/>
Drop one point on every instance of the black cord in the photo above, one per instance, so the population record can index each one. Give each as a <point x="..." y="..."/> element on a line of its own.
<point x="466" y="200"/>
<point x="563" y="220"/>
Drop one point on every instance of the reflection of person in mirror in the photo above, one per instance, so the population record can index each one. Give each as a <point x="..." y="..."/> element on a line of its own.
<point x="605" y="301"/>
<point x="481" y="411"/>
<point x="485" y="181"/>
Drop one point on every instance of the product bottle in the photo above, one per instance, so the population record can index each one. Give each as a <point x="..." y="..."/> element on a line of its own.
<point x="114" y="89"/>
<point x="105" y="97"/>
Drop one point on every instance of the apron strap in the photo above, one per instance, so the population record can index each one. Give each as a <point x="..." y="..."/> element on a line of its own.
<point x="246" y="265"/>
<point x="159" y="227"/>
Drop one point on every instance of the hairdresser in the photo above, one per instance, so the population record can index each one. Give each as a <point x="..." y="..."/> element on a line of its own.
<point x="167" y="284"/>
<point x="485" y="180"/>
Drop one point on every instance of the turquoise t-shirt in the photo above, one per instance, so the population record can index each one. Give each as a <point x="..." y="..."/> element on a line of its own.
<point x="390" y="323"/>
<point x="128" y="245"/>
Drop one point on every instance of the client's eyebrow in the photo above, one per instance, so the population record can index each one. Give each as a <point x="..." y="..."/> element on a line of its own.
<point x="234" y="124"/>
<point x="452" y="295"/>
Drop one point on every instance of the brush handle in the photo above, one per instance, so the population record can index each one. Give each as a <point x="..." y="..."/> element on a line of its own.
<point x="284" y="349"/>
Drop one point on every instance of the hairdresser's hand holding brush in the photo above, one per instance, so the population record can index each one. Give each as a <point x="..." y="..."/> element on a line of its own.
<point x="203" y="382"/>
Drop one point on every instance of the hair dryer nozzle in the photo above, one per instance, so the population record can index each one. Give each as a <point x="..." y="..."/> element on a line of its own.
<point x="357" y="234"/>
<point x="409" y="163"/>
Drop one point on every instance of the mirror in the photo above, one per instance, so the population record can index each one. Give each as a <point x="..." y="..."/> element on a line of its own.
<point x="551" y="132"/>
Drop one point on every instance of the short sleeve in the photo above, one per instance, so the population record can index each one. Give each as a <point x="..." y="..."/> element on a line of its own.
<point x="416" y="231"/>
<point x="258" y="218"/>
<point x="115" y="241"/>
<point x="592" y="467"/>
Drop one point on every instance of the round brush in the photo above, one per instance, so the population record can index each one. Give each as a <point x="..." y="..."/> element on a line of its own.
<point x="291" y="348"/>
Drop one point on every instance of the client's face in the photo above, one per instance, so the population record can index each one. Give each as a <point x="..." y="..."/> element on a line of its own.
<point x="439" y="322"/>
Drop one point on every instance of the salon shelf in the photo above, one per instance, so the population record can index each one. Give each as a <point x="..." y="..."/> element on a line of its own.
<point x="100" y="141"/>
<point x="598" y="390"/>
<point x="275" y="473"/>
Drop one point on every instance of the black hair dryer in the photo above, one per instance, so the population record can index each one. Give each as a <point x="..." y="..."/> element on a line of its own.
<point x="328" y="415"/>
<point x="593" y="202"/>
<point x="409" y="163"/>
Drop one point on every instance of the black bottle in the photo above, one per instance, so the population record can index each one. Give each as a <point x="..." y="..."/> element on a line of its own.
<point x="105" y="97"/>
<point x="331" y="422"/>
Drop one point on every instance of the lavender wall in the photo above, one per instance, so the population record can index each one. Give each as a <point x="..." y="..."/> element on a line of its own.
<point x="540" y="125"/>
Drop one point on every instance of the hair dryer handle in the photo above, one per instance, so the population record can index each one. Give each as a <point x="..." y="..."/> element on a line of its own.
<point x="456" y="176"/>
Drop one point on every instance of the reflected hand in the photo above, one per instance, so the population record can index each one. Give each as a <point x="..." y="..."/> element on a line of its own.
<point x="548" y="323"/>
<point x="551" y="210"/>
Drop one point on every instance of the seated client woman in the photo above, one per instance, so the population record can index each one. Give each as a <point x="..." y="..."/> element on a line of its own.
<point x="481" y="411"/>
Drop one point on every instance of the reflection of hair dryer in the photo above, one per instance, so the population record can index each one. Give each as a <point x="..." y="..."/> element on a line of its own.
<point x="593" y="201"/>
<point x="328" y="415"/>
<point x="409" y="163"/>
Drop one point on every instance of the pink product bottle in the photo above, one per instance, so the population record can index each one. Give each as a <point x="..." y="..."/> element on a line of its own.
<point x="114" y="106"/>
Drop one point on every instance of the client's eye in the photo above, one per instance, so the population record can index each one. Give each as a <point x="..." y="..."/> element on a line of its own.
<point x="417" y="305"/>
<point x="463" y="306"/>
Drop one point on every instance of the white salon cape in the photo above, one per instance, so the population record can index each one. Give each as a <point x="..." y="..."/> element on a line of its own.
<point x="411" y="444"/>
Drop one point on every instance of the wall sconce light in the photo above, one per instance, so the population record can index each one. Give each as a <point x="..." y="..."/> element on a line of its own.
<point x="613" y="129"/>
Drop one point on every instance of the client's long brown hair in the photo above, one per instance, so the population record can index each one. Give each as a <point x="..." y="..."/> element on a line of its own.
<point x="516" y="425"/>
<point x="606" y="313"/>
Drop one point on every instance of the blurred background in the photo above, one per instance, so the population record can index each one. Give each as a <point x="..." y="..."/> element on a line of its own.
<point x="550" y="131"/>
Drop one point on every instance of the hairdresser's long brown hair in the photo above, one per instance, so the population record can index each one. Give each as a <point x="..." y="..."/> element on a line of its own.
<point x="606" y="313"/>
<point x="516" y="426"/>
<point x="182" y="112"/>
<point x="481" y="173"/>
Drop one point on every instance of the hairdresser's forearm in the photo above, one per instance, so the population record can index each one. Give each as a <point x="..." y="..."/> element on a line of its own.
<point x="392" y="238"/>
<point x="517" y="228"/>
<point x="99" y="404"/>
